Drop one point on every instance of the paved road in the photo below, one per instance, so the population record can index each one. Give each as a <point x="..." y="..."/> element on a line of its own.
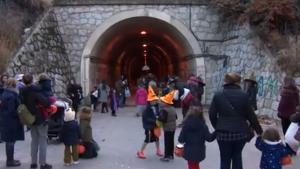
<point x="120" y="137"/>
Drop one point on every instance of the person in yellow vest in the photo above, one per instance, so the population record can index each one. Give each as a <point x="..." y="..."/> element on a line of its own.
<point x="168" y="116"/>
<point x="149" y="118"/>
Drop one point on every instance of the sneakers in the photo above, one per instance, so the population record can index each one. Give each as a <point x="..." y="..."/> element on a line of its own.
<point x="33" y="166"/>
<point x="75" y="162"/>
<point x="13" y="163"/>
<point x="141" y="155"/>
<point x="165" y="159"/>
<point x="158" y="153"/>
<point x="67" y="164"/>
<point x="46" y="166"/>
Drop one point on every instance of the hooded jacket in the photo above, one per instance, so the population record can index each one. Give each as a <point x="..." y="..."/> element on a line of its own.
<point x="85" y="127"/>
<point x="272" y="152"/>
<point x="32" y="97"/>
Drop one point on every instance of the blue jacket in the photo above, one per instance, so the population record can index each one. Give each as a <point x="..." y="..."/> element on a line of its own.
<point x="70" y="133"/>
<point x="11" y="127"/>
<point x="194" y="133"/>
<point x="271" y="153"/>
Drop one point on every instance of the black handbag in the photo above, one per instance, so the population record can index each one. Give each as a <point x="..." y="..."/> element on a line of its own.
<point x="250" y="132"/>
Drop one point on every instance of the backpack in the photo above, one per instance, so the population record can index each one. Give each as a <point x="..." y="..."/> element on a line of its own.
<point x="26" y="118"/>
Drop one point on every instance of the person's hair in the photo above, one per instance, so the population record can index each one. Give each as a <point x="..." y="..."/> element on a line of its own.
<point x="271" y="134"/>
<point x="85" y="110"/>
<point x="2" y="77"/>
<point x="27" y="79"/>
<point x="232" y="78"/>
<point x="11" y="83"/>
<point x="42" y="77"/>
<point x="196" y="110"/>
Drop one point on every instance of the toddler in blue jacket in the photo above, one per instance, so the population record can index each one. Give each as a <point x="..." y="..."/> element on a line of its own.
<point x="272" y="148"/>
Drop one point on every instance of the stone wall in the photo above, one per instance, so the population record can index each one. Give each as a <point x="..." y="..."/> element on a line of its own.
<point x="44" y="52"/>
<point x="56" y="47"/>
<point x="77" y="23"/>
<point x="246" y="54"/>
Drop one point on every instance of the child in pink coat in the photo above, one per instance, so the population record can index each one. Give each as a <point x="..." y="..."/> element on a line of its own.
<point x="140" y="100"/>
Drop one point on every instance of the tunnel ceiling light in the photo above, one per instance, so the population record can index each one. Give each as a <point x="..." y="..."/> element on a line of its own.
<point x="143" y="32"/>
<point x="145" y="51"/>
<point x="144" y="45"/>
<point x="145" y="54"/>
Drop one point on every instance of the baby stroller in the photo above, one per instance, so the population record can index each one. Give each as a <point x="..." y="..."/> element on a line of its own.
<point x="56" y="121"/>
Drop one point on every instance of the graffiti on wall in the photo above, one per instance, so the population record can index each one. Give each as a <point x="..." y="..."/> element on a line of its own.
<point x="268" y="87"/>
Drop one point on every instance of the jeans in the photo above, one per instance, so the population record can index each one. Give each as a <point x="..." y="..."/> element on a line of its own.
<point x="39" y="143"/>
<point x="169" y="143"/>
<point x="10" y="148"/>
<point x="231" y="154"/>
<point x="71" y="153"/>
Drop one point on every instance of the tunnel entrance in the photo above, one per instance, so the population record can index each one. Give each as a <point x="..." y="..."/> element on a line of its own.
<point x="129" y="46"/>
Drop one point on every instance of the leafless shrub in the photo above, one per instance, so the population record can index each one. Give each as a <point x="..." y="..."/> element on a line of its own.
<point x="288" y="58"/>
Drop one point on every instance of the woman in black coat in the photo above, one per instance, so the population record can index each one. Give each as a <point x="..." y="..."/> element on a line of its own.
<point x="230" y="114"/>
<point x="11" y="127"/>
<point x="193" y="135"/>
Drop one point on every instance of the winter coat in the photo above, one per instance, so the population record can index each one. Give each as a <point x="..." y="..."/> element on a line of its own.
<point x="295" y="118"/>
<point x="74" y="92"/>
<point x="230" y="110"/>
<point x="272" y="152"/>
<point x="252" y="90"/>
<point x="70" y="133"/>
<point x="141" y="96"/>
<point x="32" y="97"/>
<point x="171" y="116"/>
<point x="11" y="127"/>
<point x="103" y="93"/>
<point x="194" y="133"/>
<point x="85" y="127"/>
<point x="149" y="117"/>
<point x="114" y="100"/>
<point x="288" y="102"/>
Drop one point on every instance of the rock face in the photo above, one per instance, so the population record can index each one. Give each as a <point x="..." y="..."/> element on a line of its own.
<point x="45" y="52"/>
<point x="57" y="44"/>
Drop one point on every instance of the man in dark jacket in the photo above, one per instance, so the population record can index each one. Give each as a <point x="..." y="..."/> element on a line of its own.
<point x="31" y="97"/>
<point x="230" y="112"/>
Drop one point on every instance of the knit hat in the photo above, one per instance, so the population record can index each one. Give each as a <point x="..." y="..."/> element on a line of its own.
<point x="168" y="98"/>
<point x="151" y="94"/>
<point x="232" y="78"/>
<point x="69" y="115"/>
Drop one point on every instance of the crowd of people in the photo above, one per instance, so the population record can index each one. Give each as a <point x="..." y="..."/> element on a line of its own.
<point x="22" y="93"/>
<point x="231" y="113"/>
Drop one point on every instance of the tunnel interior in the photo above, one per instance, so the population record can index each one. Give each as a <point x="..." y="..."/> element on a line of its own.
<point x="128" y="45"/>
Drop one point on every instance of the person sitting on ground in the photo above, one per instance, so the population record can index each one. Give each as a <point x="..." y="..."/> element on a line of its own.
<point x="193" y="135"/>
<point x="86" y="133"/>
<point x="70" y="136"/>
<point x="272" y="148"/>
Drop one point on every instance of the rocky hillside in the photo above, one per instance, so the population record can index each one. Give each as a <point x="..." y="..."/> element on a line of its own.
<point x="17" y="18"/>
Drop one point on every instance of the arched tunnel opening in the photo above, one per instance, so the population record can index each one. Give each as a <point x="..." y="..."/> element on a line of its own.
<point x="127" y="46"/>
